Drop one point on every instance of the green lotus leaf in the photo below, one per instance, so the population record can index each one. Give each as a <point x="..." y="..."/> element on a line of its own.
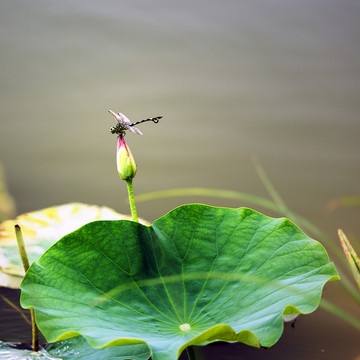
<point x="199" y="274"/>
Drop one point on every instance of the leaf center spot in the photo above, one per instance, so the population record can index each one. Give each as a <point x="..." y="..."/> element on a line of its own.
<point x="185" y="327"/>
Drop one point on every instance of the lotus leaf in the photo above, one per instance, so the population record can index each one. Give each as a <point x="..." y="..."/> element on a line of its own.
<point x="198" y="274"/>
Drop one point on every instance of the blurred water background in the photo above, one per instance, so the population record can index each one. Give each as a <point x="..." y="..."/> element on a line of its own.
<point x="233" y="79"/>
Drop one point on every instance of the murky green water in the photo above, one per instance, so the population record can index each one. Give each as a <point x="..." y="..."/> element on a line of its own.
<point x="276" y="79"/>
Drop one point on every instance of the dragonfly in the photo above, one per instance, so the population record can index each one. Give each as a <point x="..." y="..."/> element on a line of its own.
<point x="125" y="124"/>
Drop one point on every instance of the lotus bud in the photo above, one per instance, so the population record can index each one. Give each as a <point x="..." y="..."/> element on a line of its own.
<point x="125" y="161"/>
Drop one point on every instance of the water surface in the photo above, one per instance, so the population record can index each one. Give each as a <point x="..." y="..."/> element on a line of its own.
<point x="276" y="79"/>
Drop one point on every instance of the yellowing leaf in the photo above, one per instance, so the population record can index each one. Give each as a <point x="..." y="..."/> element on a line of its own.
<point x="40" y="230"/>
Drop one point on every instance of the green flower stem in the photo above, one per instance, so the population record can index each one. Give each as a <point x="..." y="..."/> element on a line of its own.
<point x="25" y="262"/>
<point x="132" y="200"/>
<point x="190" y="353"/>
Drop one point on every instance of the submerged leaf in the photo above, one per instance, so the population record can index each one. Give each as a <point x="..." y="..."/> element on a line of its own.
<point x="74" y="349"/>
<point x="40" y="230"/>
<point x="9" y="351"/>
<point x="78" y="349"/>
<point x="199" y="274"/>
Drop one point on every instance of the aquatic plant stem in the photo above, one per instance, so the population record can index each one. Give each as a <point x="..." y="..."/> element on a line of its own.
<point x="132" y="200"/>
<point x="190" y="353"/>
<point x="20" y="311"/>
<point x="25" y="262"/>
<point x="21" y="246"/>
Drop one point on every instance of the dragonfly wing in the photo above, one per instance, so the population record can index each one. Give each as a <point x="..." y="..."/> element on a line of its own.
<point x="135" y="130"/>
<point x="116" y="116"/>
<point x="128" y="127"/>
<point x="124" y="119"/>
<point x="121" y="118"/>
